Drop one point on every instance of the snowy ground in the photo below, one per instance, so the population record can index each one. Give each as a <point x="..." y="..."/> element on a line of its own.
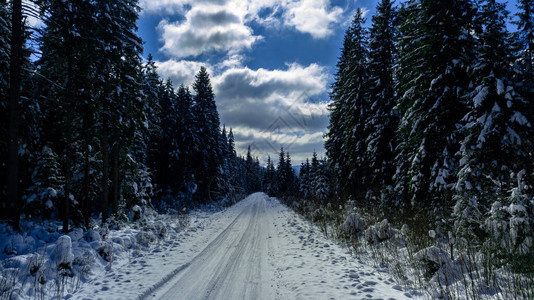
<point x="256" y="249"/>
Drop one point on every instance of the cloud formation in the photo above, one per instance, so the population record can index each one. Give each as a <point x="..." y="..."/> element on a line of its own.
<point x="206" y="29"/>
<point x="182" y="71"/>
<point x="274" y="108"/>
<point x="314" y="17"/>
<point x="224" y="26"/>
<point x="256" y="98"/>
<point x="172" y="7"/>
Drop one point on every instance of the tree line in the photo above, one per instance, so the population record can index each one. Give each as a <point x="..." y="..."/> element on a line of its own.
<point x="431" y="114"/>
<point x="90" y="129"/>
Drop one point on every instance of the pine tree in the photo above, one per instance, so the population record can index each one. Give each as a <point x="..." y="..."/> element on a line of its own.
<point x="496" y="134"/>
<point x="207" y="155"/>
<point x="15" y="74"/>
<point x="525" y="60"/>
<point x="233" y="166"/>
<point x="5" y="31"/>
<point x="42" y="199"/>
<point x="281" y="175"/>
<point x="435" y="46"/>
<point x="525" y="26"/>
<point x="305" y="179"/>
<point x="168" y="148"/>
<point x="251" y="184"/>
<point x="269" y="178"/>
<point x="383" y="119"/>
<point x="290" y="177"/>
<point x="66" y="63"/>
<point x="155" y="92"/>
<point x="231" y="143"/>
<point x="109" y="115"/>
<point x="495" y="129"/>
<point x="345" y="138"/>
<point x="321" y="180"/>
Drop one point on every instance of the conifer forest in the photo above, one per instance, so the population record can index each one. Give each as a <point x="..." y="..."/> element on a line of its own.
<point x="427" y="174"/>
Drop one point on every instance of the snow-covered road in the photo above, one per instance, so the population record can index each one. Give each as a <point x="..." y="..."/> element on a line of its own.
<point x="257" y="249"/>
<point x="236" y="265"/>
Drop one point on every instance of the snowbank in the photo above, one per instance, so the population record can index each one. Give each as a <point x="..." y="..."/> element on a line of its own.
<point x="43" y="263"/>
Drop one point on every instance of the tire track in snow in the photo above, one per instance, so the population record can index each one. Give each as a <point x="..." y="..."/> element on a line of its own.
<point x="227" y="237"/>
<point x="235" y="265"/>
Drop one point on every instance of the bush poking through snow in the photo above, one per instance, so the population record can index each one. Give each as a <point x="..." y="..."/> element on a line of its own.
<point x="379" y="232"/>
<point x="145" y="238"/>
<point x="64" y="256"/>
<point x="106" y="251"/>
<point x="136" y="210"/>
<point x="431" y="259"/>
<point x="353" y="225"/>
<point x="44" y="264"/>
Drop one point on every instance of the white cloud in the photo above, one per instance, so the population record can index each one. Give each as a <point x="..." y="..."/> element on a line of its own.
<point x="181" y="72"/>
<point x="263" y="145"/>
<point x="172" y="7"/>
<point x="224" y="25"/>
<point x="312" y="16"/>
<point x="271" y="108"/>
<point x="206" y="29"/>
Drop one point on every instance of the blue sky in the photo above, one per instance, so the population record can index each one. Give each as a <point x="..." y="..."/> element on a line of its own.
<point x="271" y="62"/>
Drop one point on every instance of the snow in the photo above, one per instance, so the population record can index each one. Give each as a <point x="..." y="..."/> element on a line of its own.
<point x="500" y="86"/>
<point x="64" y="254"/>
<point x="520" y="119"/>
<point x="481" y="95"/>
<point x="256" y="249"/>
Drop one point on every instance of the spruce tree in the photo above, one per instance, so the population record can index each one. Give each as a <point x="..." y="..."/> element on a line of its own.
<point x="207" y="154"/>
<point x="496" y="135"/>
<point x="5" y="32"/>
<point x="42" y="199"/>
<point x="305" y="179"/>
<point x="346" y="135"/>
<point x="281" y="173"/>
<point x="525" y="59"/>
<point x="269" y="178"/>
<point x="66" y="62"/>
<point x="435" y="47"/>
<point x="525" y="26"/>
<point x="321" y="181"/>
<point x="383" y="119"/>
<point x="290" y="177"/>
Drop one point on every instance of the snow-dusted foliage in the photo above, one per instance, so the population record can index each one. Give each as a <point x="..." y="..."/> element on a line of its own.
<point x="41" y="263"/>
<point x="434" y="48"/>
<point x="43" y="198"/>
<point x="510" y="223"/>
<point x="353" y="224"/>
<point x="379" y="232"/>
<point x="431" y="260"/>
<point x="63" y="255"/>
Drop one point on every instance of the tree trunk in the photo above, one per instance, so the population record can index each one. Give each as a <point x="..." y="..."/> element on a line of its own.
<point x="13" y="134"/>
<point x="105" y="172"/>
<point x="115" y="199"/>
<point x="66" y="200"/>
<point x="86" y="207"/>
